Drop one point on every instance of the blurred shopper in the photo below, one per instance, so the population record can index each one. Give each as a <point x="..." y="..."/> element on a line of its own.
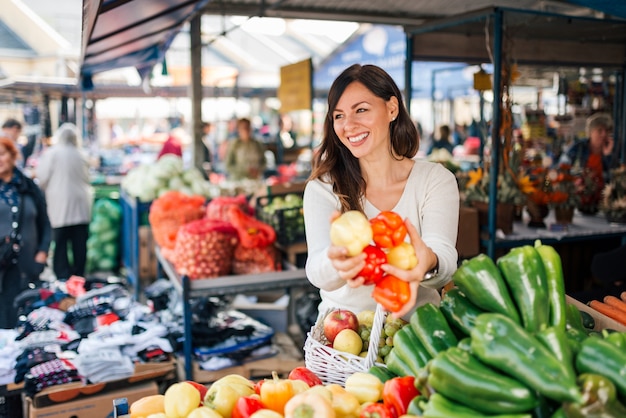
<point x="63" y="173"/>
<point x="171" y="146"/>
<point x="23" y="215"/>
<point x="12" y="129"/>
<point x="595" y="151"/>
<point x="246" y="155"/>
<point x="443" y="142"/>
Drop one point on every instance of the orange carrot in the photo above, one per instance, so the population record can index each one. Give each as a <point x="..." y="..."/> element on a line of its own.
<point x="615" y="302"/>
<point x="609" y="311"/>
<point x="622" y="296"/>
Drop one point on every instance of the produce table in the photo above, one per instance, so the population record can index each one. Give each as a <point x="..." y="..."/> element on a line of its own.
<point x="583" y="227"/>
<point x="577" y="244"/>
<point x="227" y="285"/>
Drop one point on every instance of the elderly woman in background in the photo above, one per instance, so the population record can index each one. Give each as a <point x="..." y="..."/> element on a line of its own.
<point x="22" y="209"/>
<point x="63" y="173"/>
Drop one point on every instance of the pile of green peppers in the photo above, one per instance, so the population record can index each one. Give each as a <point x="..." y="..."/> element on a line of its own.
<point x="504" y="343"/>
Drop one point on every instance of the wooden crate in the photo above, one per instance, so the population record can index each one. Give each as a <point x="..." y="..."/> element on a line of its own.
<point x="147" y="256"/>
<point x="289" y="357"/>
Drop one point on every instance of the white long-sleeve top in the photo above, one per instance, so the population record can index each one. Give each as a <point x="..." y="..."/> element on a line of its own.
<point x="430" y="201"/>
<point x="63" y="173"/>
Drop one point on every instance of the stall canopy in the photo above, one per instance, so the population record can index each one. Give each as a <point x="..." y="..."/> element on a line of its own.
<point x="123" y="33"/>
<point x="136" y="33"/>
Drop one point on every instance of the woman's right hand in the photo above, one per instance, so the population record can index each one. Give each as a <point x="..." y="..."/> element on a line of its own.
<point x="347" y="267"/>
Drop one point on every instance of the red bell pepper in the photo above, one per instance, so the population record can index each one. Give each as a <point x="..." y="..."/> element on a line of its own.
<point x="375" y="257"/>
<point x="392" y="293"/>
<point x="398" y="392"/>
<point x="388" y="228"/>
<point x="306" y="375"/>
<point x="377" y="410"/>
<point x="246" y="406"/>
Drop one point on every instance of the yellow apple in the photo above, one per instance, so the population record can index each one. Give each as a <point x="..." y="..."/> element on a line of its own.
<point x="348" y="341"/>
<point x="366" y="318"/>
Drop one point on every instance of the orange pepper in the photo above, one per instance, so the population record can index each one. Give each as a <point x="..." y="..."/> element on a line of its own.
<point x="276" y="392"/>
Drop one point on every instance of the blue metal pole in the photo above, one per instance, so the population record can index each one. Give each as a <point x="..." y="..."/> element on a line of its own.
<point x="495" y="131"/>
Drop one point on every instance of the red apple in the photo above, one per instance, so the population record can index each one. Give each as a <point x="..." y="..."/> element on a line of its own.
<point x="338" y="320"/>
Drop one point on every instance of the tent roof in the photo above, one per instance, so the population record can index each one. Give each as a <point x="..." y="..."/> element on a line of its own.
<point x="136" y="33"/>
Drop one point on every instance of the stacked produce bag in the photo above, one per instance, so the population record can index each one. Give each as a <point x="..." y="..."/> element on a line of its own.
<point x="103" y="244"/>
<point x="218" y="238"/>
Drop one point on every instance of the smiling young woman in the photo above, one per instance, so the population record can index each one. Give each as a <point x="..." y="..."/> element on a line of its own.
<point x="366" y="163"/>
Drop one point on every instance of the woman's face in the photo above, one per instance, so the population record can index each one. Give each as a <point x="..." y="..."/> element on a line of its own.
<point x="361" y="120"/>
<point x="7" y="162"/>
<point x="598" y="136"/>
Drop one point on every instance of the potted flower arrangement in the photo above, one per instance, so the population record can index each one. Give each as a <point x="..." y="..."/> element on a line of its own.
<point x="613" y="202"/>
<point x="476" y="193"/>
<point x="589" y="186"/>
<point x="552" y="188"/>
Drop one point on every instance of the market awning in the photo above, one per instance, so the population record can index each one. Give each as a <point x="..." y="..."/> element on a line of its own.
<point x="136" y="33"/>
<point x="127" y="33"/>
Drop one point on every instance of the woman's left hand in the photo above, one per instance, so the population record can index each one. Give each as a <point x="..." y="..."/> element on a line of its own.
<point x="426" y="261"/>
<point x="41" y="257"/>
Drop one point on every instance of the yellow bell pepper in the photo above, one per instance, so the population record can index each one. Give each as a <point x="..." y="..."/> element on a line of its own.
<point x="204" y="412"/>
<point x="242" y="385"/>
<point x="222" y="398"/>
<point x="352" y="230"/>
<point x="147" y="405"/>
<point x="309" y="405"/>
<point x="402" y="256"/>
<point x="180" y="399"/>
<point x="276" y="392"/>
<point x="299" y="386"/>
<point x="345" y="404"/>
<point x="365" y="386"/>
<point x="266" y="413"/>
<point x="157" y="415"/>
<point x="323" y="391"/>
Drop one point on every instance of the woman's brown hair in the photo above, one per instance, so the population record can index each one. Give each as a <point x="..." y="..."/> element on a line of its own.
<point x="333" y="162"/>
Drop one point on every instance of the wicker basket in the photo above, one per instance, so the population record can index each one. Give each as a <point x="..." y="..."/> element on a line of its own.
<point x="334" y="366"/>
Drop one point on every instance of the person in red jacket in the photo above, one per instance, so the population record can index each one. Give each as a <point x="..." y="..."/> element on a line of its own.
<point x="171" y="146"/>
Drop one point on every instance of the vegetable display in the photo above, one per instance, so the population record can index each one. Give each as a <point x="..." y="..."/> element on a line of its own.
<point x="146" y="182"/>
<point x="464" y="358"/>
<point x="103" y="244"/>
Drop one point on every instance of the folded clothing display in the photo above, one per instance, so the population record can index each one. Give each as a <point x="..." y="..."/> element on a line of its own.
<point x="50" y="373"/>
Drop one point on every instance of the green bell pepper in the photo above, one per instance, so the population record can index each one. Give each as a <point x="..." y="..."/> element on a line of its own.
<point x="555" y="339"/>
<point x="382" y="373"/>
<point x="573" y="318"/>
<point x="410" y="349"/>
<point x="618" y="339"/>
<point x="465" y="344"/>
<point x="459" y="311"/>
<point x="524" y="273"/>
<point x="481" y="281"/>
<point x="601" y="357"/>
<point x="397" y="365"/>
<point x="459" y="375"/>
<point x="555" y="283"/>
<point x="504" y="345"/>
<point x="600" y="399"/>
<point x="432" y="329"/>
<point x="438" y="406"/>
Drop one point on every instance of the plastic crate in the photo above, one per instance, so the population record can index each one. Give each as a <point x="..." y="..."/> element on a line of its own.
<point x="284" y="213"/>
<point x="134" y="215"/>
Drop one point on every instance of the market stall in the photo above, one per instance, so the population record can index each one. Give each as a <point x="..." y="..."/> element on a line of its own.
<point x="513" y="38"/>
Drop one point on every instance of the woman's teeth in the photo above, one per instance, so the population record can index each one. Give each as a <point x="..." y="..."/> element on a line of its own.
<point x="357" y="138"/>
